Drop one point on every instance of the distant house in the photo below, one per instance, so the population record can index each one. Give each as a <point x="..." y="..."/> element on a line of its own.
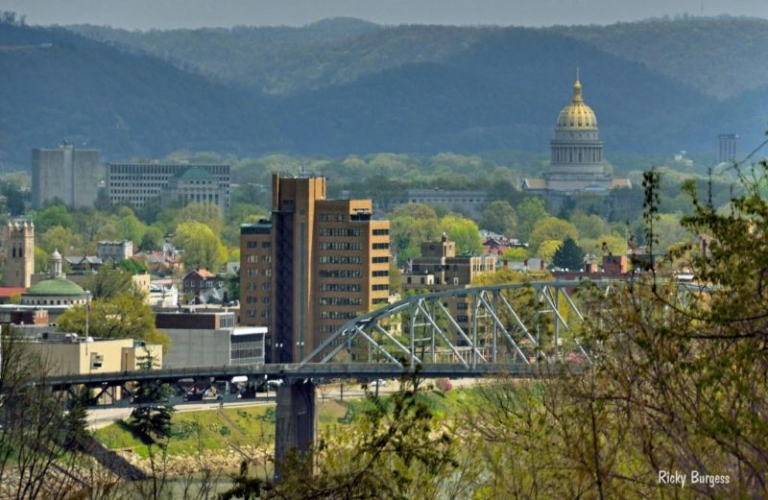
<point x="115" y="250"/>
<point x="161" y="263"/>
<point x="205" y="286"/>
<point x="79" y="264"/>
<point x="497" y="244"/>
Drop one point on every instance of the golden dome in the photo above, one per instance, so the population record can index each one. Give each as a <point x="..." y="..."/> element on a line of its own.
<point x="577" y="115"/>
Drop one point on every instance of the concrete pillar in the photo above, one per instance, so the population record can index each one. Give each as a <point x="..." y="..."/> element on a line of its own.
<point x="296" y="426"/>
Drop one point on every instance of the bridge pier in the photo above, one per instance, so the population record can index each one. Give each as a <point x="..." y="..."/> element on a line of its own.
<point x="296" y="426"/>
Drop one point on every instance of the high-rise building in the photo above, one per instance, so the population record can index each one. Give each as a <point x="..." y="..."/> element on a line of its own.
<point x="167" y="183"/>
<point x="67" y="174"/>
<point x="576" y="163"/>
<point x="19" y="254"/>
<point x="728" y="147"/>
<point x="312" y="266"/>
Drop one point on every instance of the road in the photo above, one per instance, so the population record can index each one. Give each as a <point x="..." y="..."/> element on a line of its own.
<point x="102" y="417"/>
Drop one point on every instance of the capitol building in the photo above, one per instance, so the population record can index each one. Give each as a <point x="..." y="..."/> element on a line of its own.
<point x="576" y="163"/>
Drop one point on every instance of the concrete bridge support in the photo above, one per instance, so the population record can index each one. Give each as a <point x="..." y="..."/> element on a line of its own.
<point x="296" y="426"/>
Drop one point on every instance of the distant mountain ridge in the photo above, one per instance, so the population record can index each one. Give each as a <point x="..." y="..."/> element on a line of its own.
<point x="344" y="87"/>
<point x="722" y="56"/>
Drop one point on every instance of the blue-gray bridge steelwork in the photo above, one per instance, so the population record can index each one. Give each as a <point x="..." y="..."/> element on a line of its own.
<point x="512" y="330"/>
<point x="464" y="332"/>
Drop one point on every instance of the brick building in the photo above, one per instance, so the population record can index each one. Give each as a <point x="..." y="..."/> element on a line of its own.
<point x="312" y="266"/>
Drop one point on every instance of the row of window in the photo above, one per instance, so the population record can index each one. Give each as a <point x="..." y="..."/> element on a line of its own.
<point x="340" y="287"/>
<point x="341" y="273"/>
<point x="255" y="300"/>
<point x="381" y="246"/>
<point x="329" y="217"/>
<point x="333" y="231"/>
<point x="338" y="315"/>
<point x="340" y="301"/>
<point x="255" y="258"/>
<point x="144" y="169"/>
<point x="254" y="313"/>
<point x="336" y="259"/>
<point x="200" y="284"/>
<point x="380" y="274"/>
<point x="380" y="260"/>
<point x="336" y="245"/>
<point x="255" y="244"/>
<point x="380" y="232"/>
<point x="252" y="273"/>
<point x="380" y="287"/>
<point x="252" y="287"/>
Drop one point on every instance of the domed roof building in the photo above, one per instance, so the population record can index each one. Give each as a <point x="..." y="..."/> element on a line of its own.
<point x="576" y="163"/>
<point x="56" y="290"/>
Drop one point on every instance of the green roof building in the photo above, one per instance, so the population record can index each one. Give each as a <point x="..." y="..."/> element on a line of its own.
<point x="57" y="290"/>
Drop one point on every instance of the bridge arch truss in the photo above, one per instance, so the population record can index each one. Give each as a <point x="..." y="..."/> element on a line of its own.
<point x="509" y="324"/>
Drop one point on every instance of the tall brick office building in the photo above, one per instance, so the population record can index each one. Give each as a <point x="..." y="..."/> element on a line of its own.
<point x="315" y="264"/>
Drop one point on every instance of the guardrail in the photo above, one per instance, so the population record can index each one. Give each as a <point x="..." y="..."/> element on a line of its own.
<point x="295" y="371"/>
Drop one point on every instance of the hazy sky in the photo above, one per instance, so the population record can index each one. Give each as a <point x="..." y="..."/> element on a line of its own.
<point x="144" y="14"/>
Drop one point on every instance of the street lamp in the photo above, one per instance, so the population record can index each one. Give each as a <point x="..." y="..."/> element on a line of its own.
<point x="538" y="334"/>
<point x="279" y="347"/>
<point x="87" y="310"/>
<point x="300" y="345"/>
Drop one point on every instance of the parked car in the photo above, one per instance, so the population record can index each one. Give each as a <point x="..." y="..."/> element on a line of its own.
<point x="376" y="383"/>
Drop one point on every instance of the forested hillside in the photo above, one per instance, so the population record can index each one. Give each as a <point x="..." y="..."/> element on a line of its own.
<point x="344" y="87"/>
<point x="721" y="57"/>
<point x="57" y="86"/>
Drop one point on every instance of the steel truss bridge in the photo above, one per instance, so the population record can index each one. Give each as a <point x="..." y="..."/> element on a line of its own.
<point x="514" y="330"/>
<point x="461" y="332"/>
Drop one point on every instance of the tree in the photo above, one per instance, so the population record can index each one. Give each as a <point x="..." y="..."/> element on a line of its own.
<point x="111" y="281"/>
<point x="547" y="249"/>
<point x="394" y="451"/>
<point x="529" y="212"/>
<point x="129" y="227"/>
<point x="233" y="286"/>
<point x="674" y="381"/>
<point x="52" y="216"/>
<point x="589" y="226"/>
<point x="153" y="415"/>
<point x="518" y="254"/>
<point x="569" y="255"/>
<point x="40" y="451"/>
<point x="610" y="244"/>
<point x="132" y="267"/>
<point x="202" y="248"/>
<point x="464" y="232"/>
<point x="66" y="241"/>
<point x="204" y="213"/>
<point x="499" y="217"/>
<point x="415" y="210"/>
<point x="152" y="419"/>
<point x="124" y="316"/>
<point x="408" y="233"/>
<point x="551" y="228"/>
<point x="152" y="239"/>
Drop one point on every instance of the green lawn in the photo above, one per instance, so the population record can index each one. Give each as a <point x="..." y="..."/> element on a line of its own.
<point x="255" y="426"/>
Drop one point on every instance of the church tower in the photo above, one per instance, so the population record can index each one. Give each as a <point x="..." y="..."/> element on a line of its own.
<point x="19" y="254"/>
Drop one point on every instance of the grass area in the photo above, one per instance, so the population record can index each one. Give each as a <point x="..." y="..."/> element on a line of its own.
<point x="203" y="430"/>
<point x="254" y="426"/>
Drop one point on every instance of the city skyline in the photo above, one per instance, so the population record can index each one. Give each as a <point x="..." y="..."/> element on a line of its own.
<point x="171" y="14"/>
